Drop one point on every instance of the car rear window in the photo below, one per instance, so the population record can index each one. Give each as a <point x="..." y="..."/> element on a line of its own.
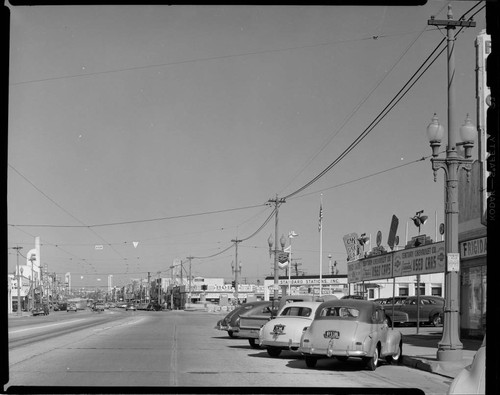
<point x="297" y="311"/>
<point x="342" y="312"/>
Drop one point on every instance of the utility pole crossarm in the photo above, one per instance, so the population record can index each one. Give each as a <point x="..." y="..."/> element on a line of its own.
<point x="449" y="23"/>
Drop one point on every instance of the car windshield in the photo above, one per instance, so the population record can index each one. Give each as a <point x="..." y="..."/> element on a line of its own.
<point x="296" y="311"/>
<point x="337" y="311"/>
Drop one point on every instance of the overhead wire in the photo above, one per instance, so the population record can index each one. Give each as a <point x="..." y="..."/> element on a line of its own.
<point x="367" y="130"/>
<point x="382" y="114"/>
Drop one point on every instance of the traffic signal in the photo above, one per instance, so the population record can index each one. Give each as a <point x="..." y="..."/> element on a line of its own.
<point x="233" y="283"/>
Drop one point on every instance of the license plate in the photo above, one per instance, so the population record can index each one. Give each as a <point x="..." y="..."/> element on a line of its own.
<point x="331" y="334"/>
<point x="278" y="329"/>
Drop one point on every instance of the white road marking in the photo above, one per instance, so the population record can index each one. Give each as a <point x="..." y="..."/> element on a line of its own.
<point x="45" y="326"/>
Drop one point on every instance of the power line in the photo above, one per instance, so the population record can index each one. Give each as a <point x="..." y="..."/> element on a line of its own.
<point x="358" y="106"/>
<point x="398" y="97"/>
<point x="205" y="59"/>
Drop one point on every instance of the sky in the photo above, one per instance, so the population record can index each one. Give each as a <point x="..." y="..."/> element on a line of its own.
<point x="162" y="132"/>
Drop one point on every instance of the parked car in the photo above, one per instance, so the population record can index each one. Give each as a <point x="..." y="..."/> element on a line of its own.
<point x="230" y="322"/>
<point x="471" y="379"/>
<point x="72" y="307"/>
<point x="358" y="297"/>
<point x="430" y="311"/>
<point x="391" y="301"/>
<point x="348" y="328"/>
<point x="40" y="310"/>
<point x="285" y="330"/>
<point x="130" y="306"/>
<point x="153" y="306"/>
<point x="249" y="325"/>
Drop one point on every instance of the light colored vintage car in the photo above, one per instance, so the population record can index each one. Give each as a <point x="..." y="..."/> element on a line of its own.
<point x="285" y="330"/>
<point x="472" y="379"/>
<point x="351" y="328"/>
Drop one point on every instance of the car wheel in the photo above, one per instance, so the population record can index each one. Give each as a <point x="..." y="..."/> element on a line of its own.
<point x="372" y="362"/>
<point x="311" y="362"/>
<point x="253" y="343"/>
<point x="230" y="333"/>
<point x="273" y="351"/>
<point x="396" y="358"/>
<point x="436" y="320"/>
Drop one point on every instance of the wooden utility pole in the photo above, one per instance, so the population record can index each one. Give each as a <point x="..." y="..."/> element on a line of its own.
<point x="236" y="268"/>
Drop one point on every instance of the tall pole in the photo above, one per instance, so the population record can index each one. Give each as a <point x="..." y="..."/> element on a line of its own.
<point x="321" y="246"/>
<point x="19" y="311"/>
<point x="450" y="348"/>
<point x="290" y="268"/>
<point x="236" y="269"/>
<point x="276" y="202"/>
<point x="190" y="258"/>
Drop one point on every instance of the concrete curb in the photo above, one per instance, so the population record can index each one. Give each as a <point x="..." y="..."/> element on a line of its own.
<point x="448" y="369"/>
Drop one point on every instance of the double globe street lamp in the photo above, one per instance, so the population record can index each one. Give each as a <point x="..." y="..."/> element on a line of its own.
<point x="450" y="348"/>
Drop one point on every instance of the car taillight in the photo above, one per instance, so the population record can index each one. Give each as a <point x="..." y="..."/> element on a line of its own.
<point x="237" y="321"/>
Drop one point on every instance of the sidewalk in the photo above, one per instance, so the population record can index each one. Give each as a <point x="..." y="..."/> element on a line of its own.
<point x="420" y="352"/>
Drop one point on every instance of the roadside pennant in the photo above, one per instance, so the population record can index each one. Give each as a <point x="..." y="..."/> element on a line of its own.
<point x="135" y="243"/>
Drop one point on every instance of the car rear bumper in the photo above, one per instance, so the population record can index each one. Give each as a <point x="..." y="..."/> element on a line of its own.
<point x="332" y="352"/>
<point x="249" y="333"/>
<point x="289" y="345"/>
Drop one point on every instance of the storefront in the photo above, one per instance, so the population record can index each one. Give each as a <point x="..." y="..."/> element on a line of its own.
<point x="473" y="287"/>
<point x="299" y="285"/>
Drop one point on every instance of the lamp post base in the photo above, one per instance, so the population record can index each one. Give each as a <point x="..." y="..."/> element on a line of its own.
<point x="449" y="355"/>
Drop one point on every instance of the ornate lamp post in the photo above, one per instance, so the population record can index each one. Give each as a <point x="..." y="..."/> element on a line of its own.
<point x="291" y="235"/>
<point x="362" y="240"/>
<point x="419" y="219"/>
<point x="450" y="347"/>
<point x="19" y="312"/>
<point x="276" y="267"/>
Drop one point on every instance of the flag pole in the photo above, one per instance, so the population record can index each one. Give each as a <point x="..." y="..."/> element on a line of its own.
<point x="320" y="244"/>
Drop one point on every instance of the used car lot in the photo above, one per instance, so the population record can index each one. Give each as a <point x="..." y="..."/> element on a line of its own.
<point x="351" y="328"/>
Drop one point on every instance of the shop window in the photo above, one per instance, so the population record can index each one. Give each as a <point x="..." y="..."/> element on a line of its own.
<point x="403" y="291"/>
<point x="436" y="291"/>
<point x="371" y="293"/>
<point x="422" y="290"/>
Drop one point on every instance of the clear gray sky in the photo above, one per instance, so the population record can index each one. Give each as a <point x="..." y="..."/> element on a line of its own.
<point x="149" y="124"/>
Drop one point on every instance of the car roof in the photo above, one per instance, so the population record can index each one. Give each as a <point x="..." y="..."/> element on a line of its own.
<point x="311" y="304"/>
<point x="365" y="307"/>
<point x="426" y="297"/>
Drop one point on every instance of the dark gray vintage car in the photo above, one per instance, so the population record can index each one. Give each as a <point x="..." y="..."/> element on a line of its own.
<point x="230" y="322"/>
<point x="350" y="328"/>
<point x="429" y="310"/>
